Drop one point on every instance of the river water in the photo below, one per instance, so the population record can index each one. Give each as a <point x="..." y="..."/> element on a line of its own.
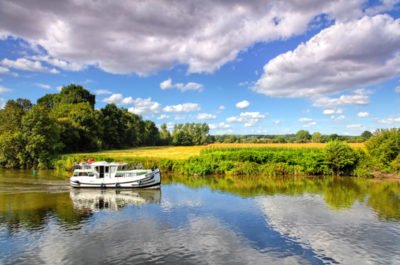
<point x="200" y="220"/>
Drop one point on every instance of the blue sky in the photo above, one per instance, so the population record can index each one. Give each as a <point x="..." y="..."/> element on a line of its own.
<point x="263" y="67"/>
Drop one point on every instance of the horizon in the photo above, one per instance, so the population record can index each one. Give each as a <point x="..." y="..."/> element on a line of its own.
<point x="264" y="68"/>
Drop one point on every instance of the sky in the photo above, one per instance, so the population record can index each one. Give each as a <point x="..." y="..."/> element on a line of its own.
<point x="243" y="67"/>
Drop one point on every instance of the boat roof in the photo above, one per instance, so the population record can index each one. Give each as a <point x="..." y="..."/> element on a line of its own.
<point x="104" y="163"/>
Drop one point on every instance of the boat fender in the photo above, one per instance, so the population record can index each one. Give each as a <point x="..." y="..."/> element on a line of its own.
<point x="103" y="186"/>
<point x="118" y="186"/>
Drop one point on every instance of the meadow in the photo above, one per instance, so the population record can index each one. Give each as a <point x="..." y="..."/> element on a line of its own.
<point x="185" y="152"/>
<point x="235" y="159"/>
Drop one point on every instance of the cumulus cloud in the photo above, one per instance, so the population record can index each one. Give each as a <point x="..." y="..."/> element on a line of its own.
<point x="167" y="84"/>
<point x="337" y="118"/>
<point x="44" y="86"/>
<point x="4" y="89"/>
<point x="346" y="55"/>
<point x="206" y="116"/>
<point x="307" y="122"/>
<point x="332" y="111"/>
<point x="397" y="89"/>
<point x="4" y="70"/>
<point x="221" y="107"/>
<point x="102" y="92"/>
<point x="154" y="35"/>
<point x="362" y="114"/>
<point x="249" y="119"/>
<point x="185" y="107"/>
<point x="221" y="125"/>
<point x="28" y="65"/>
<point x="391" y="120"/>
<point x="144" y="106"/>
<point x="358" y="97"/>
<point x="354" y="126"/>
<point x="62" y="64"/>
<point x="163" y="117"/>
<point x="242" y="104"/>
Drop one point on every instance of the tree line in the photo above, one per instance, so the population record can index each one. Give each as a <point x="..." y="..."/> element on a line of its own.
<point x="31" y="135"/>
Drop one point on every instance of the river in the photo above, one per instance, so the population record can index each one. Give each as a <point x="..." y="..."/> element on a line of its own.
<point x="200" y="220"/>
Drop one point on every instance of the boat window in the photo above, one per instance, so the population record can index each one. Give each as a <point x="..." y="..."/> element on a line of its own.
<point x="76" y="174"/>
<point x="112" y="169"/>
<point x="83" y="174"/>
<point x="106" y="169"/>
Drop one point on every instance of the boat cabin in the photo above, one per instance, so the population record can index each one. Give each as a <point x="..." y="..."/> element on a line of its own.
<point x="99" y="169"/>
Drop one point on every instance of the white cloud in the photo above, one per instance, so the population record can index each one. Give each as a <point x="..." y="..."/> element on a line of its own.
<point x="354" y="126"/>
<point x="358" y="97"/>
<point x="363" y="114"/>
<point x="144" y="106"/>
<point x="185" y="107"/>
<point x="397" y="89"/>
<point x="28" y="65"/>
<point x="221" y="125"/>
<point x="167" y="84"/>
<point x="307" y="122"/>
<point x="4" y="90"/>
<point x="391" y="120"/>
<point x="276" y="122"/>
<point x="163" y="117"/>
<point x="221" y="107"/>
<point x="337" y="118"/>
<point x="114" y="99"/>
<point x="206" y="116"/>
<point x="345" y="55"/>
<point x="44" y="86"/>
<point x="332" y="111"/>
<point x="163" y="33"/>
<point x="102" y="92"/>
<point x="58" y="62"/>
<point x="4" y="70"/>
<point x="242" y="104"/>
<point x="248" y="118"/>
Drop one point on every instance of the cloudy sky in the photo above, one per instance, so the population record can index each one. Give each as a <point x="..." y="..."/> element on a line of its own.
<point x="245" y="67"/>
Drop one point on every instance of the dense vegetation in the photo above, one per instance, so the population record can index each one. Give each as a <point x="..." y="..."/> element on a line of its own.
<point x="32" y="135"/>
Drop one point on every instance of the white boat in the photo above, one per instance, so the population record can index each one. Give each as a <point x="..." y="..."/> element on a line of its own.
<point x="113" y="175"/>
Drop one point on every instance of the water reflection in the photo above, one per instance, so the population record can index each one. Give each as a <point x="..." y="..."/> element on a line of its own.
<point x="383" y="196"/>
<point x="203" y="220"/>
<point x="88" y="200"/>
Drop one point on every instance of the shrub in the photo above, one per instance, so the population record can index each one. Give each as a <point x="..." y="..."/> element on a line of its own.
<point x="340" y="157"/>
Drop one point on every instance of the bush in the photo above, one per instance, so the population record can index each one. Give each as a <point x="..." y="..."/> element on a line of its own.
<point x="384" y="148"/>
<point x="340" y="157"/>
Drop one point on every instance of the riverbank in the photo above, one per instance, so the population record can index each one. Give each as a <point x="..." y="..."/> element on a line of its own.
<point x="236" y="160"/>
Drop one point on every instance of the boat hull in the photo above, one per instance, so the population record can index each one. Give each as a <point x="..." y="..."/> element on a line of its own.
<point x="148" y="181"/>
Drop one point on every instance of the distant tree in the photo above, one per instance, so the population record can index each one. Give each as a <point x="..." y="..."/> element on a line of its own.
<point x="303" y="136"/>
<point x="165" y="135"/>
<point x="190" y="134"/>
<point x="366" y="135"/>
<point x="151" y="133"/>
<point x="73" y="94"/>
<point x="316" y="137"/>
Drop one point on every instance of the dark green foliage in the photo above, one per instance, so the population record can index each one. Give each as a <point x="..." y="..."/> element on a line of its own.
<point x="340" y="157"/>
<point x="165" y="135"/>
<point x="366" y="135"/>
<point x="384" y="149"/>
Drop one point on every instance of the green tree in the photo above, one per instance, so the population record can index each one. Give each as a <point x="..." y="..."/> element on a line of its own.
<point x="384" y="148"/>
<point x="41" y="137"/>
<point x="165" y="135"/>
<point x="316" y="137"/>
<point x="303" y="136"/>
<point x="366" y="135"/>
<point x="340" y="157"/>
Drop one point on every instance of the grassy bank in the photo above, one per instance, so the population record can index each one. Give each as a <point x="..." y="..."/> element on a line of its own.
<point x="234" y="159"/>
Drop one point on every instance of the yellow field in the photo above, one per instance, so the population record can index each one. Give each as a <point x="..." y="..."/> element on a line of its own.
<point x="184" y="152"/>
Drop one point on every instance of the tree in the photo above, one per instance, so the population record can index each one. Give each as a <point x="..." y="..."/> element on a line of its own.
<point x="190" y="134"/>
<point x="151" y="133"/>
<point x="316" y="137"/>
<point x="303" y="136"/>
<point x="165" y="135"/>
<point x="366" y="135"/>
<point x="73" y="94"/>
<point x="41" y="137"/>
<point x="384" y="148"/>
<point x="340" y="157"/>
